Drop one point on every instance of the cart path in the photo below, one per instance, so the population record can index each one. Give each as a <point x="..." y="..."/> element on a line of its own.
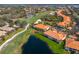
<point x="9" y="40"/>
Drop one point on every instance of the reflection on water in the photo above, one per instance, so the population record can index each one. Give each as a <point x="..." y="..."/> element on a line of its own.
<point x="35" y="46"/>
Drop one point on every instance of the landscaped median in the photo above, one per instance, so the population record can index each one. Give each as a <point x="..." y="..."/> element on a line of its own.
<point x="54" y="47"/>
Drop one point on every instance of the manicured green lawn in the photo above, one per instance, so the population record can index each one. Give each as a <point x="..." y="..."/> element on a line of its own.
<point x="16" y="45"/>
<point x="38" y="16"/>
<point x="55" y="47"/>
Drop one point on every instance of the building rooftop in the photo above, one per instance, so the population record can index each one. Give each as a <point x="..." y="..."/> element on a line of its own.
<point x="66" y="19"/>
<point x="41" y="26"/>
<point x="6" y="28"/>
<point x="55" y="34"/>
<point x="71" y="43"/>
<point x="2" y="33"/>
<point x="77" y="33"/>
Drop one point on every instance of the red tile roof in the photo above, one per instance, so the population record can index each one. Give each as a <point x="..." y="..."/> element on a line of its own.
<point x="41" y="26"/>
<point x="66" y="19"/>
<point x="55" y="34"/>
<point x="71" y="43"/>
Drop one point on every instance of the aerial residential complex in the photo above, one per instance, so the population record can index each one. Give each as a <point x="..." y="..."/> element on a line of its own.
<point x="39" y="29"/>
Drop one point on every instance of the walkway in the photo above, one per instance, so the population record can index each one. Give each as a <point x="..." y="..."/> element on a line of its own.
<point x="9" y="40"/>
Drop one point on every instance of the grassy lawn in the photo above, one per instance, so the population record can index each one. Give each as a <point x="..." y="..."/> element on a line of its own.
<point x="34" y="18"/>
<point x="15" y="46"/>
<point x="10" y="35"/>
<point x="56" y="48"/>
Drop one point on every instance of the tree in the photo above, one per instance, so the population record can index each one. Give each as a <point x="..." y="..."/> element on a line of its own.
<point x="21" y="23"/>
<point x="2" y="22"/>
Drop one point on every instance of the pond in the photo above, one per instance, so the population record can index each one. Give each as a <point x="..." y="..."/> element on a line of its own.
<point x="35" y="46"/>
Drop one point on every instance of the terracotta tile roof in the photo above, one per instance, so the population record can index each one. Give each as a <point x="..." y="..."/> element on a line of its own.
<point x="41" y="26"/>
<point x="71" y="43"/>
<point x="66" y="19"/>
<point x="55" y="34"/>
<point x="62" y="24"/>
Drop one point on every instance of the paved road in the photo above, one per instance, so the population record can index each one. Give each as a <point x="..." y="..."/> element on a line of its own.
<point x="9" y="40"/>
